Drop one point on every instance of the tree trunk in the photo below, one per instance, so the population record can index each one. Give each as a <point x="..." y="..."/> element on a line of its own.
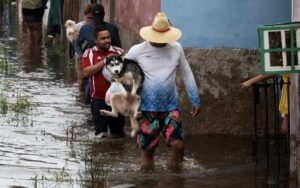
<point x="1" y="17"/>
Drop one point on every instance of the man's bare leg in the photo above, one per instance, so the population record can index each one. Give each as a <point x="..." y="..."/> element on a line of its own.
<point x="147" y="160"/>
<point x="177" y="152"/>
<point x="38" y="33"/>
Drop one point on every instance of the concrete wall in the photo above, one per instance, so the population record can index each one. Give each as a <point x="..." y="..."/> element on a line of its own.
<point x="224" y="23"/>
<point x="226" y="109"/>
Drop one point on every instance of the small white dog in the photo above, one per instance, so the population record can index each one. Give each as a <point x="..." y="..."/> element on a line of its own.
<point x="124" y="100"/>
<point x="71" y="30"/>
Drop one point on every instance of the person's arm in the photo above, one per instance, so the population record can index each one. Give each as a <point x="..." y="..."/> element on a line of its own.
<point x="93" y="69"/>
<point x="254" y="80"/>
<point x="79" y="42"/>
<point x="189" y="83"/>
<point x="88" y="68"/>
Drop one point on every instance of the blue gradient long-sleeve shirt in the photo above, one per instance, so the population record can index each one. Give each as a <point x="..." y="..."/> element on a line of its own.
<point x="160" y="65"/>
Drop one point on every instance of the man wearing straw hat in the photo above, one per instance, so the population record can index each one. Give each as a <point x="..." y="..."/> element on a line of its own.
<point x="160" y="56"/>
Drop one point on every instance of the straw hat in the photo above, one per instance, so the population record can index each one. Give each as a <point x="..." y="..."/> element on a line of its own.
<point x="160" y="31"/>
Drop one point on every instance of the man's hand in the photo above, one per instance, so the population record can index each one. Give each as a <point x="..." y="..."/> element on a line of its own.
<point x="109" y="55"/>
<point x="195" y="110"/>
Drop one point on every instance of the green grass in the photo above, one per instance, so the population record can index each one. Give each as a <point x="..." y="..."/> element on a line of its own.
<point x="14" y="109"/>
<point x="4" y="105"/>
<point x="56" y="179"/>
<point x="22" y="105"/>
<point x="90" y="178"/>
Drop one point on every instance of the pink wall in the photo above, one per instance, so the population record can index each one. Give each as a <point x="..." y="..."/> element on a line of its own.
<point x="295" y="10"/>
<point x="105" y="4"/>
<point x="134" y="14"/>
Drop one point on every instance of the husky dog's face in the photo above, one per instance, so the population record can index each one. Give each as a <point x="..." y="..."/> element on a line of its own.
<point x="114" y="64"/>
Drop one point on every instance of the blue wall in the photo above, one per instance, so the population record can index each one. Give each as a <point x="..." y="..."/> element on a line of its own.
<point x="224" y="23"/>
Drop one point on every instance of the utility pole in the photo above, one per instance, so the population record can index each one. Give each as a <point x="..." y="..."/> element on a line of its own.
<point x="294" y="108"/>
<point x="1" y="17"/>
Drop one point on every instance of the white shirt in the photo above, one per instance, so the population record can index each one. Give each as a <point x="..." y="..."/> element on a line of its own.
<point x="79" y="25"/>
<point x="159" y="92"/>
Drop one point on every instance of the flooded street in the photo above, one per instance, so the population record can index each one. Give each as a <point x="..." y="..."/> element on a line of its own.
<point x="46" y="134"/>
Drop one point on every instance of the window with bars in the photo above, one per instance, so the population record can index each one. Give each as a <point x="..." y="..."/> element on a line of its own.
<point x="279" y="48"/>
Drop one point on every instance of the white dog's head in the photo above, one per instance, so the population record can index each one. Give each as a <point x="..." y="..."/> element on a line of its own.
<point x="71" y="30"/>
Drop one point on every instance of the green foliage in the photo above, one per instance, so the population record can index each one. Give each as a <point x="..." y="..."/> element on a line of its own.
<point x="16" y="109"/>
<point x="3" y="104"/>
<point x="94" y="177"/>
<point x="22" y="104"/>
<point x="62" y="178"/>
<point x="56" y="179"/>
<point x="6" y="85"/>
<point x="95" y="173"/>
<point x="5" y="65"/>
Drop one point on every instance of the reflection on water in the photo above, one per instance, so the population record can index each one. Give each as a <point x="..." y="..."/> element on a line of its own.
<point x="34" y="148"/>
<point x="53" y="148"/>
<point x="210" y="161"/>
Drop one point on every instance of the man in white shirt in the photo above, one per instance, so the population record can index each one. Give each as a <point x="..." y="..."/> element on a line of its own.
<point x="160" y="57"/>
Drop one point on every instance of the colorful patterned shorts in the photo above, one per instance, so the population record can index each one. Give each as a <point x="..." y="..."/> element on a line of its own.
<point x="152" y="123"/>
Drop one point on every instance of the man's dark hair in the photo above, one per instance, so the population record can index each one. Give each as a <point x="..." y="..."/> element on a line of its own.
<point x="98" y="29"/>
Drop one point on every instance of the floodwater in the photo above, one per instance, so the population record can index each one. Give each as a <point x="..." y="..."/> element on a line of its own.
<point x="50" y="143"/>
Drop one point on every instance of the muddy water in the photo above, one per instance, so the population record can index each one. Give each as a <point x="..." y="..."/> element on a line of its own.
<point x="51" y="145"/>
<point x="32" y="144"/>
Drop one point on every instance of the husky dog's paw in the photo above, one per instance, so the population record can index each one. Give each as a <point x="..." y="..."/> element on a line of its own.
<point x="134" y="132"/>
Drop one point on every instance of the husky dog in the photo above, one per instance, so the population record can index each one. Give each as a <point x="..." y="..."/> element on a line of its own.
<point x="71" y="31"/>
<point x="125" y="71"/>
<point x="128" y="77"/>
